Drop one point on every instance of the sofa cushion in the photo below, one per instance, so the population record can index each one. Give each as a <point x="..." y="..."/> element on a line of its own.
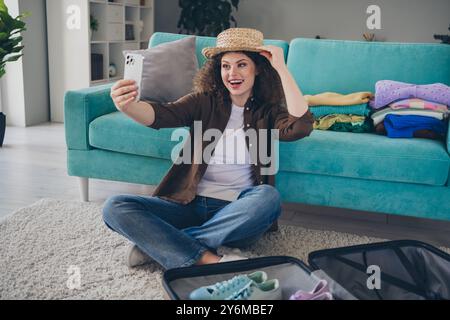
<point x="367" y="156"/>
<point x="351" y="66"/>
<point x="116" y="132"/>
<point x="168" y="70"/>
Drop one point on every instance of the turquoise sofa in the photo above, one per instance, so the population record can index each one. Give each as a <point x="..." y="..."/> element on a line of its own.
<point x="368" y="172"/>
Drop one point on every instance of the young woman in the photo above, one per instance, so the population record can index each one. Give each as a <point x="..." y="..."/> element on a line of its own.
<point x="220" y="202"/>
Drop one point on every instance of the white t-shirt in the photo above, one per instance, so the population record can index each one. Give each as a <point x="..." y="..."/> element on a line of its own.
<point x="229" y="170"/>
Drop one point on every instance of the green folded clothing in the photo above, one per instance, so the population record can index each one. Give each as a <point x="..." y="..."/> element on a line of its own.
<point x="355" y="109"/>
<point x="365" y="127"/>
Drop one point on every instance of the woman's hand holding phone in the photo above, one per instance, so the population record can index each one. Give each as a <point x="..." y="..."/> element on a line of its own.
<point x="123" y="94"/>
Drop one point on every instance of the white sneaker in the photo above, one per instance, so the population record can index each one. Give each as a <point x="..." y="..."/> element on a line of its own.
<point x="268" y="290"/>
<point x="231" y="257"/>
<point x="223" y="289"/>
<point x="230" y="254"/>
<point x="136" y="257"/>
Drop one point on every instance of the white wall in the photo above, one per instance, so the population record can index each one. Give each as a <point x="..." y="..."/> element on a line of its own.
<point x="25" y="86"/>
<point x="167" y="13"/>
<point x="68" y="53"/>
<point x="401" y="20"/>
<point x="35" y="65"/>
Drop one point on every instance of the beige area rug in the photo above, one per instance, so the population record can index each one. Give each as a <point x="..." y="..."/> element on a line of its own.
<point x="57" y="249"/>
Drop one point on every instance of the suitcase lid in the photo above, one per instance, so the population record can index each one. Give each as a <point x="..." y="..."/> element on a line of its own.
<point x="400" y="269"/>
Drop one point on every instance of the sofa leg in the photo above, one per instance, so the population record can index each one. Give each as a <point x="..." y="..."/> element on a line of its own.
<point x="84" y="188"/>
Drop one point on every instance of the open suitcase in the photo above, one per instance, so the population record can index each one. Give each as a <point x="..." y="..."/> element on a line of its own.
<point x="406" y="270"/>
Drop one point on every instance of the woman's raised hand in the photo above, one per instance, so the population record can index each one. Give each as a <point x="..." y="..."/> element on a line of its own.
<point x="123" y="93"/>
<point x="275" y="55"/>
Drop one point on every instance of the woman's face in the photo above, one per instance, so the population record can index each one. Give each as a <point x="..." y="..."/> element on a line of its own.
<point x="238" y="75"/>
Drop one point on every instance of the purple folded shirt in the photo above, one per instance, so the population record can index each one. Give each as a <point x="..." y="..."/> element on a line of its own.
<point x="387" y="91"/>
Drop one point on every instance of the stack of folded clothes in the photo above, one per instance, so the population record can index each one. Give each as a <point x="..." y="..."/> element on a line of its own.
<point x="404" y="110"/>
<point x="337" y="112"/>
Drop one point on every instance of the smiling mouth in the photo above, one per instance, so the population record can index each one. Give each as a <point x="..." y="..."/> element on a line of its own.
<point x="235" y="84"/>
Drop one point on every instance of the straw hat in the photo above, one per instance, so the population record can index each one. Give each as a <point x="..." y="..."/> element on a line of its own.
<point x="236" y="39"/>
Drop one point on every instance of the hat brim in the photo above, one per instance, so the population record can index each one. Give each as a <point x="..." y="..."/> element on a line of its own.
<point x="213" y="51"/>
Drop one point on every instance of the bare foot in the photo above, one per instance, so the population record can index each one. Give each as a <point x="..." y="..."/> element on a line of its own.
<point x="207" y="258"/>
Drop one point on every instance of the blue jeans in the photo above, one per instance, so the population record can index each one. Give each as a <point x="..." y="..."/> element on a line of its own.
<point x="177" y="235"/>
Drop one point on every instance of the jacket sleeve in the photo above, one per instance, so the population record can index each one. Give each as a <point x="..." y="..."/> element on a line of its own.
<point x="292" y="128"/>
<point x="181" y="113"/>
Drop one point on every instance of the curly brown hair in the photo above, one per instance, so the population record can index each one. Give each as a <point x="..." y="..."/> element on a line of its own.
<point x="267" y="88"/>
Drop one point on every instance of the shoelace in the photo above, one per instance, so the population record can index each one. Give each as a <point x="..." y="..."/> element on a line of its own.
<point x="242" y="294"/>
<point x="228" y="285"/>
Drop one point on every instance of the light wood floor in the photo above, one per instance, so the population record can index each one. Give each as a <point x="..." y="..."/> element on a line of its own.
<point x="33" y="166"/>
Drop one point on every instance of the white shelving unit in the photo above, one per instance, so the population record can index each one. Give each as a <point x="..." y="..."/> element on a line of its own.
<point x="71" y="44"/>
<point x="112" y="38"/>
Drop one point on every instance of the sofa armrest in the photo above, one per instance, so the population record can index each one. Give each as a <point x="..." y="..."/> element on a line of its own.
<point x="80" y="108"/>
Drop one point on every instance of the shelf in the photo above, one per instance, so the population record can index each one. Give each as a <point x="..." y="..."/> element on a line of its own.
<point x="99" y="12"/>
<point x="147" y="5"/>
<point x="117" y="41"/>
<point x="110" y="40"/>
<point x="97" y="82"/>
<point x="99" y="58"/>
<point x="80" y="61"/>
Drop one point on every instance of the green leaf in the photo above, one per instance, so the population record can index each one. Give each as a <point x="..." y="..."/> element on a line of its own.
<point x="16" y="39"/>
<point x="16" y="31"/>
<point x="17" y="49"/>
<point x="3" y="7"/>
<point x="226" y="9"/>
<point x="13" y="58"/>
<point x="10" y="39"/>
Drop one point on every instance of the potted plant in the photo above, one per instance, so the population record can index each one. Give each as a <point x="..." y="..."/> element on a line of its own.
<point x="206" y="17"/>
<point x="93" y="26"/>
<point x="10" y="48"/>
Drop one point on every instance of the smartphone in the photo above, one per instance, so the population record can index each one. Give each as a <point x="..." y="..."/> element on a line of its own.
<point x="133" y="70"/>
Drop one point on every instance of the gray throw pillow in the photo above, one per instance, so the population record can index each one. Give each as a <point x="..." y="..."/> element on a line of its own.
<point x="168" y="71"/>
